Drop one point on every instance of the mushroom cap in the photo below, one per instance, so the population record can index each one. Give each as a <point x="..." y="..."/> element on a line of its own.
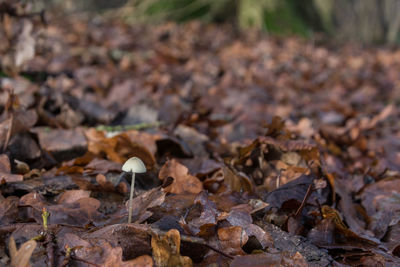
<point x="135" y="165"/>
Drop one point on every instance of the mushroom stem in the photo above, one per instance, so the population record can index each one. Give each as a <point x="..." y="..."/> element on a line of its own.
<point x="131" y="197"/>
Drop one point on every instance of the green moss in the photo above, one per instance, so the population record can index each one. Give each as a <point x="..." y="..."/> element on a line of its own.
<point x="284" y="21"/>
<point x="3" y="74"/>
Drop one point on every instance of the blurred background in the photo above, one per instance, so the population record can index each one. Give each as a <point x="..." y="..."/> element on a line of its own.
<point x="365" y="21"/>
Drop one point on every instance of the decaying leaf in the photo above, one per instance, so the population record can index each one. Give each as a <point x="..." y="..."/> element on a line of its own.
<point x="270" y="259"/>
<point x="150" y="199"/>
<point x="232" y="239"/>
<point x="166" y="250"/>
<point x="270" y="151"/>
<point x="5" y="171"/>
<point x="183" y="181"/>
<point x="100" y="252"/>
<point x="20" y="257"/>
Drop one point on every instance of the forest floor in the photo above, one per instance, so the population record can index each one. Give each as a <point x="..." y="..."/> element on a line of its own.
<point x="260" y="151"/>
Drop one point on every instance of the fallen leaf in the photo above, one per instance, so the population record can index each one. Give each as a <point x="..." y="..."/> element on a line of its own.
<point x="63" y="144"/>
<point x="232" y="239"/>
<point x="20" y="257"/>
<point x="183" y="181"/>
<point x="5" y="171"/>
<point x="270" y="259"/>
<point x="71" y="196"/>
<point x="150" y="199"/>
<point x="166" y="250"/>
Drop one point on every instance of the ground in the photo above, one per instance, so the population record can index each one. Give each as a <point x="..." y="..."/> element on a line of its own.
<point x="259" y="150"/>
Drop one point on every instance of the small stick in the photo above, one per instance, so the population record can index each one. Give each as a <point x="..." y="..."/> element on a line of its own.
<point x="303" y="203"/>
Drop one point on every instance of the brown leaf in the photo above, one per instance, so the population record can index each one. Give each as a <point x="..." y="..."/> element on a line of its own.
<point x="262" y="236"/>
<point x="71" y="196"/>
<point x="98" y="144"/>
<point x="9" y="210"/>
<point x="78" y="213"/>
<point x="123" y="146"/>
<point x="239" y="217"/>
<point x="99" y="251"/>
<point x="105" y="184"/>
<point x="63" y="144"/>
<point x="20" y="257"/>
<point x="166" y="250"/>
<point x="332" y="231"/>
<point x="134" y="239"/>
<point x="206" y="223"/>
<point x="113" y="257"/>
<point x="4" y="163"/>
<point x="23" y="121"/>
<point x="102" y="166"/>
<point x="5" y="171"/>
<point x="270" y="259"/>
<point x="236" y="182"/>
<point x="150" y="199"/>
<point x="202" y="166"/>
<point x="232" y="239"/>
<point x="193" y="139"/>
<point x="33" y="199"/>
<point x="23" y="147"/>
<point x="134" y="144"/>
<point x="183" y="181"/>
<point x="295" y="189"/>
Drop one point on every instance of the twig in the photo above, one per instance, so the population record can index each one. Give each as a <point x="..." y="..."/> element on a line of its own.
<point x="219" y="251"/>
<point x="303" y="203"/>
<point x="49" y="242"/>
<point x="9" y="131"/>
<point x="119" y="128"/>
<point x="9" y="109"/>
<point x="84" y="261"/>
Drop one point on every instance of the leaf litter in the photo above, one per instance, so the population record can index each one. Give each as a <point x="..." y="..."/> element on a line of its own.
<point x="259" y="150"/>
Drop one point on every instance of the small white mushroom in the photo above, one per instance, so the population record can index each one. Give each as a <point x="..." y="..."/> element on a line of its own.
<point x="133" y="165"/>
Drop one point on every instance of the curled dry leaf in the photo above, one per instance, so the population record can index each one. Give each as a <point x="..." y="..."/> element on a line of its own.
<point x="206" y="223"/>
<point x="166" y="250"/>
<point x="98" y="143"/>
<point x="232" y="239"/>
<point x="262" y="236"/>
<point x="123" y="146"/>
<point x="333" y="231"/>
<point x="183" y="181"/>
<point x="150" y="199"/>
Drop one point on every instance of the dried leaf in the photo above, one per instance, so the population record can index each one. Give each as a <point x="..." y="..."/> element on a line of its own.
<point x="232" y="239"/>
<point x="270" y="259"/>
<point x="5" y="171"/>
<point x="150" y="199"/>
<point x="166" y="250"/>
<point x="21" y="257"/>
<point x="183" y="181"/>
